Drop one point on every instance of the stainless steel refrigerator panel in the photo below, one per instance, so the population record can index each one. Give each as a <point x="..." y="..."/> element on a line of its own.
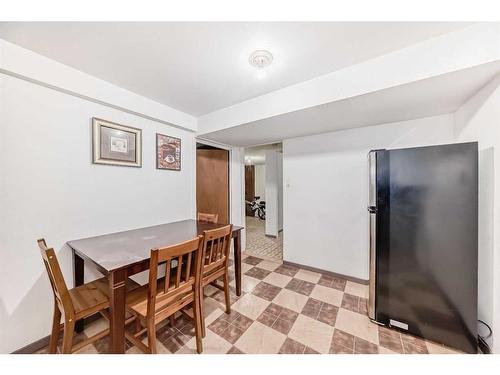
<point x="372" y="199"/>
<point x="372" y="192"/>
<point x="373" y="259"/>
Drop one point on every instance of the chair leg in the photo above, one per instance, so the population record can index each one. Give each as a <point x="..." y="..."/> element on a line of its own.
<point x="172" y="320"/>
<point x="151" y="336"/>
<point x="199" y="324"/>
<point x="226" y="293"/>
<point x="138" y="325"/>
<point x="201" y="302"/>
<point x="69" y="329"/>
<point x="54" y="336"/>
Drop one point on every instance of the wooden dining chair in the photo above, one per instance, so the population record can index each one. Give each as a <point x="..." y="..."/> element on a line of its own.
<point x="216" y="245"/>
<point x="209" y="218"/>
<point x="75" y="304"/>
<point x="162" y="298"/>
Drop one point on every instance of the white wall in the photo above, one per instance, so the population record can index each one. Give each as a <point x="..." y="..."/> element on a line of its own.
<point x="274" y="192"/>
<point x="326" y="187"/>
<point x="260" y="181"/>
<point x="479" y="120"/>
<point x="50" y="188"/>
<point x="237" y="190"/>
<point x="280" y="189"/>
<point x="21" y="62"/>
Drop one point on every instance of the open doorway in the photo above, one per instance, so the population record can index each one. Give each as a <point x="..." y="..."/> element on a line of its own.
<point x="212" y="181"/>
<point x="264" y="200"/>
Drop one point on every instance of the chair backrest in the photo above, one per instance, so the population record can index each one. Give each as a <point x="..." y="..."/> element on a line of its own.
<point x="187" y="256"/>
<point x="56" y="278"/>
<point x="209" y="218"/>
<point x="216" y="244"/>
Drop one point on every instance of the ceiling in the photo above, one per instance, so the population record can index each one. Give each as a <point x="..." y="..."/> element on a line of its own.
<point x="430" y="97"/>
<point x="201" y="67"/>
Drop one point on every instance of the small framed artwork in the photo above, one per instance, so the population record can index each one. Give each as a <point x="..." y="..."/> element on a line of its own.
<point x="116" y="144"/>
<point x="168" y="152"/>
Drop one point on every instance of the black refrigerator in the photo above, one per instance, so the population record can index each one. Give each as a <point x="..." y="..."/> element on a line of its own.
<point x="423" y="208"/>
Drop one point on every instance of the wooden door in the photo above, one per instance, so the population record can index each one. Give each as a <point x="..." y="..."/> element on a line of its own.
<point x="212" y="182"/>
<point x="249" y="187"/>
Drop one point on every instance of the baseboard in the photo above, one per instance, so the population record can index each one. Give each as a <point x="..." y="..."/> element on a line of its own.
<point x="272" y="236"/>
<point x="334" y="274"/>
<point x="34" y="346"/>
<point x="44" y="341"/>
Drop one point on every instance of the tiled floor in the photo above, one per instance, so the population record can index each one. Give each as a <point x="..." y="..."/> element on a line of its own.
<point x="283" y="309"/>
<point x="258" y="243"/>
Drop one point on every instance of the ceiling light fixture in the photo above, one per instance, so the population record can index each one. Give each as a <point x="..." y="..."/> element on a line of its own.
<point x="260" y="60"/>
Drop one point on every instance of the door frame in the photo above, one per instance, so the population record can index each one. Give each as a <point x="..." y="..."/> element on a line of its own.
<point x="230" y="171"/>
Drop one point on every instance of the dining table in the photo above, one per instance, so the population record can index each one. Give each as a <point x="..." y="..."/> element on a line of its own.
<point x="123" y="254"/>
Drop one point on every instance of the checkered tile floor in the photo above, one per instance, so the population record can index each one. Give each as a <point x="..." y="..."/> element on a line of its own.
<point x="282" y="309"/>
<point x="258" y="244"/>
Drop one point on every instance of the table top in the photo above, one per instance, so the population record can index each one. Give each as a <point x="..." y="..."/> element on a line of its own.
<point x="117" y="250"/>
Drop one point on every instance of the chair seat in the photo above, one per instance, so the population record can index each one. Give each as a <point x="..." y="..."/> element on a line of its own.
<point x="138" y="298"/>
<point x="89" y="297"/>
<point x="94" y="296"/>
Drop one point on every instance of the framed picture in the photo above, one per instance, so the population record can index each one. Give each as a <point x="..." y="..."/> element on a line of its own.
<point x="168" y="152"/>
<point x="116" y="144"/>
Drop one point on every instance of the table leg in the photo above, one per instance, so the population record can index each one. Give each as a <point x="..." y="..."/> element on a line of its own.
<point x="237" y="261"/>
<point x="117" y="311"/>
<point x="78" y="274"/>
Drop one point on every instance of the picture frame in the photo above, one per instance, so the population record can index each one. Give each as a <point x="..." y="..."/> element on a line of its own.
<point x="168" y="152"/>
<point x="116" y="144"/>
